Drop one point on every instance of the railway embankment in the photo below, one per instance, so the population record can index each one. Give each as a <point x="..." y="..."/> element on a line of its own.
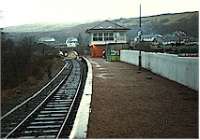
<point x="14" y="96"/>
<point x="50" y="112"/>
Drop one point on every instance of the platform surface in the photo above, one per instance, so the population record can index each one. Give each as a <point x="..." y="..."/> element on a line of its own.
<point x="128" y="104"/>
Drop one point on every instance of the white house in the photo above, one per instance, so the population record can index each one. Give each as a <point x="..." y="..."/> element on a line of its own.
<point x="106" y="32"/>
<point x="72" y="42"/>
<point x="47" y="39"/>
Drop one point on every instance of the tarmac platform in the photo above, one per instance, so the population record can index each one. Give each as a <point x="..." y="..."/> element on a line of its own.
<point x="129" y="104"/>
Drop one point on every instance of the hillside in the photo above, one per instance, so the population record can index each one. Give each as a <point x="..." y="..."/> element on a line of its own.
<point x="38" y="27"/>
<point x="161" y="24"/>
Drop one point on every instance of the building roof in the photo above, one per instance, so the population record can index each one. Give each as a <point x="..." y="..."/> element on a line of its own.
<point x="72" y="39"/>
<point x="47" y="39"/>
<point x="107" y="25"/>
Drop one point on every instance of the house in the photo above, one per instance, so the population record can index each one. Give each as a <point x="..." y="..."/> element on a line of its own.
<point x="47" y="39"/>
<point x="72" y="42"/>
<point x="177" y="37"/>
<point x="148" y="41"/>
<point x="152" y="38"/>
<point x="106" y="33"/>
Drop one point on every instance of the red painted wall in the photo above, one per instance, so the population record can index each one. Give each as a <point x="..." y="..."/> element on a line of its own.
<point x="96" y="51"/>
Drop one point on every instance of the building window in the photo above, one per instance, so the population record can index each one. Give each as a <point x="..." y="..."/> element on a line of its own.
<point x="121" y="36"/>
<point x="100" y="37"/>
<point x="97" y="37"/>
<point x="111" y="36"/>
<point x="108" y="36"/>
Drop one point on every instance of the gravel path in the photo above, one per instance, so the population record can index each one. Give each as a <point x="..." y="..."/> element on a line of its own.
<point x="128" y="104"/>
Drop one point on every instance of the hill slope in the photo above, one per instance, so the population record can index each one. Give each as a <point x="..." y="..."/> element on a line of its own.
<point x="161" y="24"/>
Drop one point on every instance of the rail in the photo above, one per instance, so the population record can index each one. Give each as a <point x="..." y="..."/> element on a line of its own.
<point x="59" y="102"/>
<point x="38" y="92"/>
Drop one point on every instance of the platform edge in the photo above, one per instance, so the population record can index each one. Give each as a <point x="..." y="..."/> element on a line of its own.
<point x="80" y="126"/>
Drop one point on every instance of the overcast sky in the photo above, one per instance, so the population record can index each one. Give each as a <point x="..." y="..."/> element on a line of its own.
<point x="16" y="12"/>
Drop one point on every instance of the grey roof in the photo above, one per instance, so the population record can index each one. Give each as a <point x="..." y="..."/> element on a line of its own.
<point x="107" y="25"/>
<point x="72" y="39"/>
<point x="47" y="39"/>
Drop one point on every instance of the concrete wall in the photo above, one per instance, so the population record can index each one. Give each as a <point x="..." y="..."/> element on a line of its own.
<point x="180" y="69"/>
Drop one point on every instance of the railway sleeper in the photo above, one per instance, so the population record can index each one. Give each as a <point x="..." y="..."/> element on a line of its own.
<point x="50" y="115"/>
<point x="43" y="126"/>
<point x="43" y="131"/>
<point x="45" y="122"/>
<point x="53" y="111"/>
<point x="65" y="99"/>
<point x="49" y="118"/>
<point x="42" y="136"/>
<point x="56" y="108"/>
<point x="57" y="105"/>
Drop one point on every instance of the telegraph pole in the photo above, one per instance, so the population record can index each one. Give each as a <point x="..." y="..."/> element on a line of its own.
<point x="140" y="39"/>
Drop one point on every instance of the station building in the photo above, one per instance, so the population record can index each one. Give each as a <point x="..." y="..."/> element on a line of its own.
<point x="107" y="37"/>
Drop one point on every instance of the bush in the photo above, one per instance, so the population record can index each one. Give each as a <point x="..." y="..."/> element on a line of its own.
<point x="19" y="63"/>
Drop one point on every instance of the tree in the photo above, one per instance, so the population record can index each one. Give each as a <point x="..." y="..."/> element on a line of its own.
<point x="8" y="71"/>
<point x="80" y="39"/>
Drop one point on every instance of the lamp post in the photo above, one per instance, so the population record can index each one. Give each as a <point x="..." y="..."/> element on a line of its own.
<point x="140" y="39"/>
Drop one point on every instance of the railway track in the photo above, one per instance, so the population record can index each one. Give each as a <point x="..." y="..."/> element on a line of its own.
<point x="53" y="114"/>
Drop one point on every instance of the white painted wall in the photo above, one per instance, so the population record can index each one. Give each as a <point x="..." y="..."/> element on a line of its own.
<point x="180" y="69"/>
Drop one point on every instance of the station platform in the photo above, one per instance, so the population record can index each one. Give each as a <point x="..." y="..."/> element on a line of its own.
<point x="131" y="104"/>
